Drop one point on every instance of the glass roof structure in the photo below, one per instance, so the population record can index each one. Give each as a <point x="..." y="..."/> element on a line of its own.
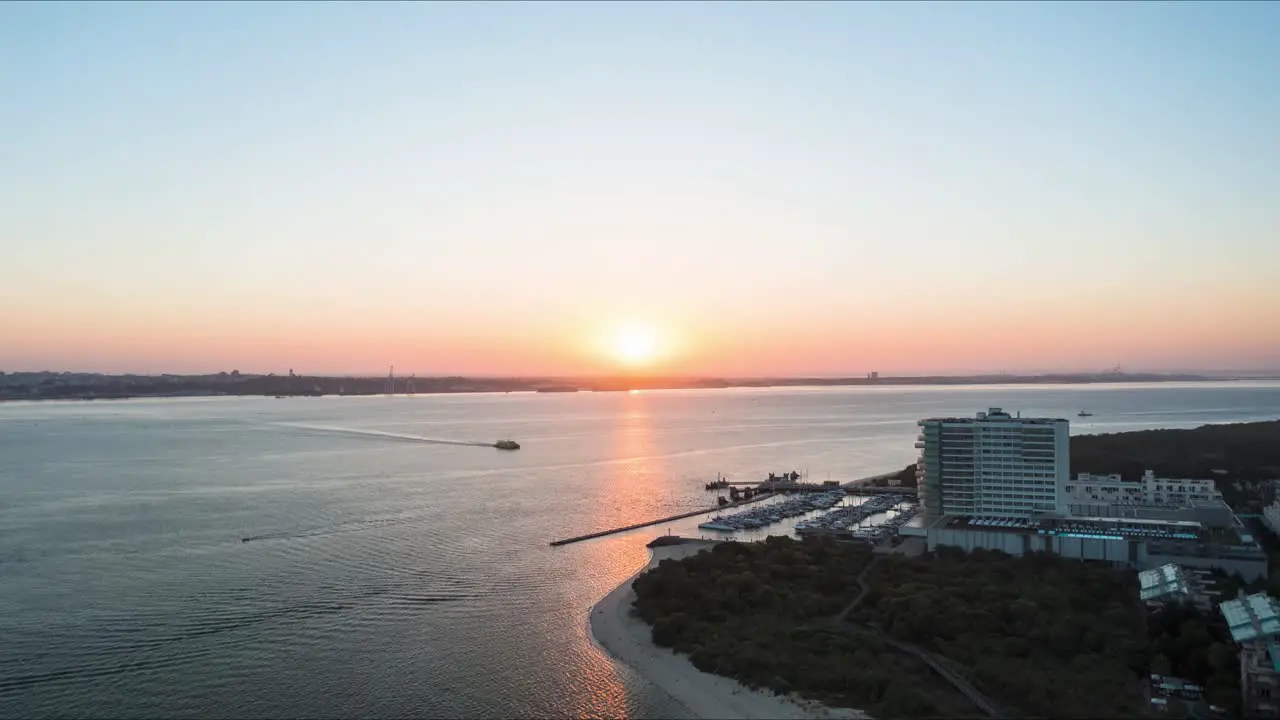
<point x="1162" y="582"/>
<point x="1253" y="617"/>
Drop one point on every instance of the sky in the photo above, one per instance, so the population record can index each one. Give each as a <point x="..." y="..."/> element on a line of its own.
<point x="706" y="188"/>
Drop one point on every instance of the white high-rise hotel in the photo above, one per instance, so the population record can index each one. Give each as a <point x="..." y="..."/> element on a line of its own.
<point x="993" y="465"/>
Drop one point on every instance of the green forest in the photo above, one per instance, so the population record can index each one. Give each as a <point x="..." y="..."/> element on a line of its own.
<point x="1247" y="453"/>
<point x="761" y="613"/>
<point x="1031" y="631"/>
<point x="1196" y="646"/>
<point x="1028" y="633"/>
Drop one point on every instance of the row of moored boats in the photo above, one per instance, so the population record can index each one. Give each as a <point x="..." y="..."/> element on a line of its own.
<point x="840" y="519"/>
<point x="759" y="517"/>
<point x="876" y="533"/>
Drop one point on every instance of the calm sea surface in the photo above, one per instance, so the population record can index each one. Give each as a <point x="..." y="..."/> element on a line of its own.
<point x="395" y="576"/>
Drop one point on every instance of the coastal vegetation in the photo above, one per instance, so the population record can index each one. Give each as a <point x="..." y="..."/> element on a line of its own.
<point x="1030" y="632"/>
<point x="761" y="613"/>
<point x="1240" y="456"/>
<point x="905" y="478"/>
<point x="1027" y="632"/>
<point x="1196" y="646"/>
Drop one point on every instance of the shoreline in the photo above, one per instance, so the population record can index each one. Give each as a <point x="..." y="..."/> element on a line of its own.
<point x="373" y="387"/>
<point x="711" y="697"/>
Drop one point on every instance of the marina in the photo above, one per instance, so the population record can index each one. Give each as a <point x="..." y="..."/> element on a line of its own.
<point x="842" y="519"/>
<point x="875" y="533"/>
<point x="815" y="496"/>
<point x="760" y="517"/>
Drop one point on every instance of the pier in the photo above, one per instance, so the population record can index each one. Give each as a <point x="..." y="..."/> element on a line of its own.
<point x="659" y="521"/>
<point x="784" y="483"/>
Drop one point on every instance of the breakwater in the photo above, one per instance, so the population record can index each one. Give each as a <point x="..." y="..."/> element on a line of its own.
<point x="659" y="521"/>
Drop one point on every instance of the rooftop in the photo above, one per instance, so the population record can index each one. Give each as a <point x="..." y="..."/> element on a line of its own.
<point x="990" y="524"/>
<point x="1086" y="528"/>
<point x="1252" y="617"/>
<point x="995" y="415"/>
<point x="1162" y="582"/>
<point x="917" y="521"/>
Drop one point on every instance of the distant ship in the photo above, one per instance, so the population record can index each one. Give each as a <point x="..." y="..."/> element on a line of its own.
<point x="557" y="388"/>
<point x="507" y="445"/>
<point x="1084" y="413"/>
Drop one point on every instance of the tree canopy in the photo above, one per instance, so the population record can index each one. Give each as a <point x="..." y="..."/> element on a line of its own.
<point x="1247" y="452"/>
<point x="1030" y="633"/>
<point x="761" y="613"/>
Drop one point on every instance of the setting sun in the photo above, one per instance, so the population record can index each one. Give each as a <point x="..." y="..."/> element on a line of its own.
<point x="635" y="345"/>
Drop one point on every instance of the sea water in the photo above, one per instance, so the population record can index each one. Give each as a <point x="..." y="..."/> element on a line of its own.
<point x="392" y="568"/>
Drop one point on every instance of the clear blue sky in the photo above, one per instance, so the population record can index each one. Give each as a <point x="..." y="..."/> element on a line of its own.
<point x="490" y="187"/>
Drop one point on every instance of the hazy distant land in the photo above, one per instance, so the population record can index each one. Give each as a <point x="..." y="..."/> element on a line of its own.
<point x="67" y="385"/>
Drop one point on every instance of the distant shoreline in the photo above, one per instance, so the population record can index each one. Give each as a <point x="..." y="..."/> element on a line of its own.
<point x="75" y="386"/>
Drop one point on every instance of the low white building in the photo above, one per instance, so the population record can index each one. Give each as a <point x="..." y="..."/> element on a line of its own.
<point x="1151" y="490"/>
<point x="1141" y="543"/>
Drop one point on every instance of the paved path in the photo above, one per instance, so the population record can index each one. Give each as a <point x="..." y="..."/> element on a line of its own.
<point x="937" y="662"/>
<point x="862" y="591"/>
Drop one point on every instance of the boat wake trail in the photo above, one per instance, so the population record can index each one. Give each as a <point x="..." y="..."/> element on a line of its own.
<point x="383" y="435"/>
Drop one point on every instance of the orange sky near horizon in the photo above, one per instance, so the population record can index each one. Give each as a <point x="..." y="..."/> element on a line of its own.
<point x="774" y="188"/>
<point x="1205" y="334"/>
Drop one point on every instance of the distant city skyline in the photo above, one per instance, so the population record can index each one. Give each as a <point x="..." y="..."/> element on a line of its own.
<point x="406" y="373"/>
<point x="715" y="189"/>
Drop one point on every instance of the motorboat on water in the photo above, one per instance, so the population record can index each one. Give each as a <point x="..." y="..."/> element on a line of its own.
<point x="716" y="524"/>
<point x="507" y="445"/>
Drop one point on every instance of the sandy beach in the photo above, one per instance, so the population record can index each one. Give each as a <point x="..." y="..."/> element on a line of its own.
<point x="706" y="696"/>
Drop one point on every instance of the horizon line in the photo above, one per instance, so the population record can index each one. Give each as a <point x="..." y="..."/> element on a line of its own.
<point x="865" y="375"/>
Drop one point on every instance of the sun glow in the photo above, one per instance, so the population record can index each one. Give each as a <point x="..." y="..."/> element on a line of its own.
<point x="635" y="345"/>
